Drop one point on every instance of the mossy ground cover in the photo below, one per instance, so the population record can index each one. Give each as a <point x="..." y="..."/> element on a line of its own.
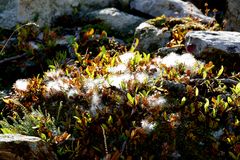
<point x="109" y="101"/>
<point x="180" y="26"/>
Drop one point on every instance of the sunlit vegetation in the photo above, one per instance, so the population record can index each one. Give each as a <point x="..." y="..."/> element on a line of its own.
<point x="180" y="26"/>
<point x="99" y="99"/>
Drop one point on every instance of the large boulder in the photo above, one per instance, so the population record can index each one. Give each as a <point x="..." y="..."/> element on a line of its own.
<point x="175" y="8"/>
<point x="116" y="20"/>
<point x="43" y="11"/>
<point x="20" y="147"/>
<point x="199" y="42"/>
<point x="232" y="15"/>
<point x="214" y="44"/>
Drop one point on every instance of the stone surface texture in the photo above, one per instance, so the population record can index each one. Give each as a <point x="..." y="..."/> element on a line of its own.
<point x="150" y="37"/>
<point x="116" y="20"/>
<point x="8" y="14"/>
<point x="232" y="15"/>
<point x="20" y="147"/>
<point x="204" y="43"/>
<point x="175" y="8"/>
<point x="90" y="5"/>
<point x="43" y="11"/>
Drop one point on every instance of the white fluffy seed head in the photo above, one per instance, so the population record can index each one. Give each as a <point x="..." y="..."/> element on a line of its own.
<point x="156" y="101"/>
<point x="126" y="57"/>
<point x="148" y="127"/>
<point x="187" y="60"/>
<point x="22" y="85"/>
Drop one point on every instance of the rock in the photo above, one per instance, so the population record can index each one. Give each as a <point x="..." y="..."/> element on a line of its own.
<point x="150" y="37"/>
<point x="91" y="5"/>
<point x="44" y="11"/>
<point x="8" y="15"/>
<point x="116" y="20"/>
<point x="199" y="42"/>
<point x="214" y="44"/>
<point x="20" y="147"/>
<point x="175" y="8"/>
<point x="232" y="16"/>
<point x="124" y="3"/>
<point x="41" y="11"/>
<point x="167" y="31"/>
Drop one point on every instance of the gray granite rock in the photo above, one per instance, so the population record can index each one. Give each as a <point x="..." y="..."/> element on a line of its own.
<point x="175" y="8"/>
<point x="124" y="3"/>
<point x="90" y="5"/>
<point x="201" y="43"/>
<point x="8" y="13"/>
<point x="220" y="47"/>
<point x="116" y="20"/>
<point x="20" y="147"/>
<point x="43" y="11"/>
<point x="232" y="15"/>
<point x="151" y="38"/>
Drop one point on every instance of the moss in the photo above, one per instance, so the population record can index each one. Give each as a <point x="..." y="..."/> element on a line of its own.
<point x="180" y="26"/>
<point x="158" y="21"/>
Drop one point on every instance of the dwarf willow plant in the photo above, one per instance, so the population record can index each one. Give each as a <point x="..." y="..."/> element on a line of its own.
<point x="103" y="106"/>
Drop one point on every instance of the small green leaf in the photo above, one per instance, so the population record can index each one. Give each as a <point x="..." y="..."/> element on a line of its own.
<point x="184" y="99"/>
<point x="229" y="100"/>
<point x="237" y="88"/>
<point x="89" y="74"/>
<point x="236" y="122"/>
<point x="43" y="136"/>
<point x="134" y="45"/>
<point x="113" y="61"/>
<point x="103" y="52"/>
<point x="136" y="90"/>
<point x="110" y="120"/>
<point x="232" y="155"/>
<point x="67" y="73"/>
<point x="196" y="92"/>
<point x="130" y="98"/>
<point x="78" y="57"/>
<point x="97" y="149"/>
<point x="192" y="108"/>
<point x="165" y="116"/>
<point x="225" y="105"/>
<point x="52" y="67"/>
<point x="75" y="47"/>
<point x="220" y="72"/>
<point x="219" y="99"/>
<point x="214" y="112"/>
<point x="206" y="105"/>
<point x="78" y="119"/>
<point x="204" y="74"/>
